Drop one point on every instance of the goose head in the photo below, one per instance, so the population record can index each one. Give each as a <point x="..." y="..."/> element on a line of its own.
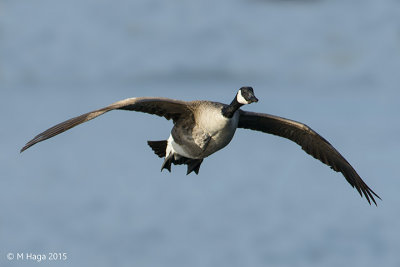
<point x="245" y="96"/>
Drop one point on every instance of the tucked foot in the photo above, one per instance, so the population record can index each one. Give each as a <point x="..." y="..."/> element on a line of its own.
<point x="194" y="165"/>
<point x="167" y="162"/>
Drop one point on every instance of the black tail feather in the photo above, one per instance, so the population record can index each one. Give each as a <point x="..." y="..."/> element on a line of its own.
<point x="159" y="147"/>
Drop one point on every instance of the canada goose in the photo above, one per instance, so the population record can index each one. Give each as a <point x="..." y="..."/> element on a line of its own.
<point x="203" y="127"/>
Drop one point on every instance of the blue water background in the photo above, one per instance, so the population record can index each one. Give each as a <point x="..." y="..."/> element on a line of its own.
<point x="97" y="193"/>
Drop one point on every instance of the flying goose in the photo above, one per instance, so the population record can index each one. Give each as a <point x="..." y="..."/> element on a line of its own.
<point x="203" y="127"/>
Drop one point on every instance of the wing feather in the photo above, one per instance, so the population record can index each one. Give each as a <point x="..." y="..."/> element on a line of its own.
<point x="165" y="107"/>
<point x="310" y="141"/>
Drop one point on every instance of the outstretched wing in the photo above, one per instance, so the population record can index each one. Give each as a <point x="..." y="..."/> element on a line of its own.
<point x="310" y="141"/>
<point x="165" y="107"/>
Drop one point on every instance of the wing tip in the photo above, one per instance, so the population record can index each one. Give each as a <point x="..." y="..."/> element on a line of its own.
<point x="25" y="148"/>
<point x="29" y="144"/>
<point x="372" y="197"/>
<point x="369" y="195"/>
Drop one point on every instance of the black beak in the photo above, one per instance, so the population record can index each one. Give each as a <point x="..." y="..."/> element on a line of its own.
<point x="253" y="99"/>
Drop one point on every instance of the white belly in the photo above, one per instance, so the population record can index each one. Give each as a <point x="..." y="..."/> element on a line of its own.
<point x="174" y="148"/>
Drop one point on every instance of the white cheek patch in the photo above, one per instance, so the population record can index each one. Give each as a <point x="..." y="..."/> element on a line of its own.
<point x="241" y="99"/>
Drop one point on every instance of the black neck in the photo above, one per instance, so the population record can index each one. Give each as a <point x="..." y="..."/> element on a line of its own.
<point x="228" y="111"/>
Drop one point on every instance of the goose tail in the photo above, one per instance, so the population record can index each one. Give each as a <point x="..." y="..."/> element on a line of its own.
<point x="159" y="147"/>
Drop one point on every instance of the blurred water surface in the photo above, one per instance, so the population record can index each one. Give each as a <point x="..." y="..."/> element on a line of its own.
<point x="96" y="192"/>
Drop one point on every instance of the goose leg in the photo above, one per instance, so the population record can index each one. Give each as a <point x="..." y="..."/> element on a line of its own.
<point x="167" y="162"/>
<point x="194" y="165"/>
